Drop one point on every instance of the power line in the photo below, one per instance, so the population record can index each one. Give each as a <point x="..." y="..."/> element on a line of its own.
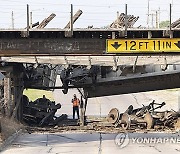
<point x="16" y="1"/>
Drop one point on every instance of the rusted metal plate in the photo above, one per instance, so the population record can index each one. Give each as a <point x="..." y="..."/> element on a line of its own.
<point x="28" y="46"/>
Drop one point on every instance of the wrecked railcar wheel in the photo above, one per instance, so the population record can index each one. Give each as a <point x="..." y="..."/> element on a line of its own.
<point x="125" y="121"/>
<point x="128" y="120"/>
<point x="113" y="116"/>
<point x="149" y="120"/>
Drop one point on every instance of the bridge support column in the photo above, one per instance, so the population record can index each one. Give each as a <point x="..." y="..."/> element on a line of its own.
<point x="18" y="88"/>
<point x="7" y="96"/>
<point x="179" y="101"/>
<point x="82" y="112"/>
<point x="12" y="91"/>
<point x="18" y="92"/>
<point x="83" y="106"/>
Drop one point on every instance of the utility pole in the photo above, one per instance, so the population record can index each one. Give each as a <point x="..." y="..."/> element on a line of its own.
<point x="117" y="16"/>
<point x="157" y="17"/>
<point x="159" y="14"/>
<point x="157" y="24"/>
<point x="126" y="21"/>
<point x="170" y="19"/>
<point x="71" y="20"/>
<point x="148" y="15"/>
<point x="31" y="23"/>
<point x="12" y="18"/>
<point x="170" y="16"/>
<point x="152" y="19"/>
<point x="27" y="20"/>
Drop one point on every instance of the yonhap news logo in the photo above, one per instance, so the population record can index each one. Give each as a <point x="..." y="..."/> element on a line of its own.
<point x="123" y="139"/>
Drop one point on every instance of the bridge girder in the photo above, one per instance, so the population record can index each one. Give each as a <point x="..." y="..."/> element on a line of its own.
<point x="57" y="42"/>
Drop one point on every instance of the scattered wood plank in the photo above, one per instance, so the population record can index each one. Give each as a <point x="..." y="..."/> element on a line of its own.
<point x="75" y="17"/>
<point x="120" y="21"/>
<point x="46" y="21"/>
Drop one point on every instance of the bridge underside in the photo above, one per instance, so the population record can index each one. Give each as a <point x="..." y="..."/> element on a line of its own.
<point x="134" y="85"/>
<point x="101" y="76"/>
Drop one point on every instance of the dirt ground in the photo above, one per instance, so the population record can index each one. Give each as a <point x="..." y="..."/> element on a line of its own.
<point x="8" y="127"/>
<point x="177" y="125"/>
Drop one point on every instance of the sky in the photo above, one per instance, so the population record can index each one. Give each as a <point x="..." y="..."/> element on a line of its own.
<point x="98" y="13"/>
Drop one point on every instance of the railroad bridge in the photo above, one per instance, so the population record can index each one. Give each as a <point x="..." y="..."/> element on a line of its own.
<point x="98" y="62"/>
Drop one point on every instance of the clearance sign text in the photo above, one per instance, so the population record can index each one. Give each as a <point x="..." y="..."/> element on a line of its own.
<point x="142" y="45"/>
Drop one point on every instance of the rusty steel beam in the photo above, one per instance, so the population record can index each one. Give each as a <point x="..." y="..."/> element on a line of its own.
<point x="54" y="41"/>
<point x="27" y="46"/>
<point x="134" y="85"/>
<point x="61" y="47"/>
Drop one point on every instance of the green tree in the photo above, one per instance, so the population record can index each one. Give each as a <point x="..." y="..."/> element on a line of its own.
<point x="164" y="24"/>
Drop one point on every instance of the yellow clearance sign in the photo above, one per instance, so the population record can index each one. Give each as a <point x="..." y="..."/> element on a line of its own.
<point x="142" y="45"/>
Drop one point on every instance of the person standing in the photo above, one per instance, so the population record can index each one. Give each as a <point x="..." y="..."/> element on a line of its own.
<point x="75" y="102"/>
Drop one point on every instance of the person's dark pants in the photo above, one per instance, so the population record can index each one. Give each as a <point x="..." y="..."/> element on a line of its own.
<point x="75" y="110"/>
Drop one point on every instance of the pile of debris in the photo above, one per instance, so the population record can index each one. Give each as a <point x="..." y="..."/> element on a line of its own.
<point x="176" y="24"/>
<point x="120" y="21"/>
<point x="145" y="117"/>
<point x="41" y="112"/>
